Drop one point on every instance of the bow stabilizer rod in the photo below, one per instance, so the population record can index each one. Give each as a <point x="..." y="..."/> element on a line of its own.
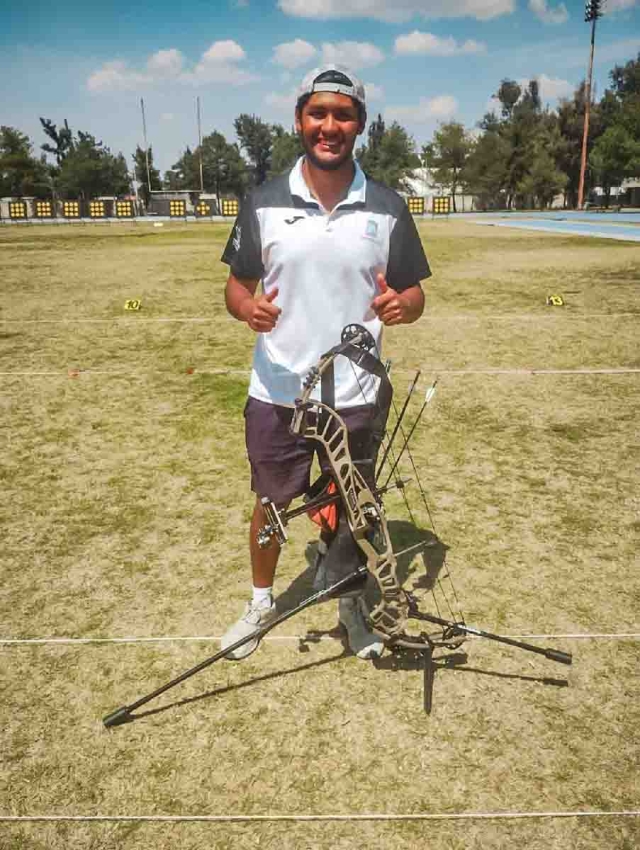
<point x="453" y="630"/>
<point x="124" y="714"/>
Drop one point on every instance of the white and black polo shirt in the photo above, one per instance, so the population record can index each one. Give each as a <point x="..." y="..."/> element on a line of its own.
<point x="325" y="268"/>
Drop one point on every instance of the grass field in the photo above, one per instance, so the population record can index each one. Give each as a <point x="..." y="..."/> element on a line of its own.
<point x="124" y="512"/>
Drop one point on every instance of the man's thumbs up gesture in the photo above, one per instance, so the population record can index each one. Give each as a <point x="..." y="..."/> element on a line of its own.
<point x="391" y="307"/>
<point x="260" y="313"/>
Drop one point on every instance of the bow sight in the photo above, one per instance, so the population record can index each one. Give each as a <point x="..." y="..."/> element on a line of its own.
<point x="360" y="501"/>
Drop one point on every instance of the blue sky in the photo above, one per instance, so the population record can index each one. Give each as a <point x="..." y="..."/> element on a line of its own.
<point x="422" y="61"/>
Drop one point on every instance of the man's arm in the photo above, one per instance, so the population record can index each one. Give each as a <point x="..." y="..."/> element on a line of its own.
<point x="398" y="308"/>
<point x="259" y="313"/>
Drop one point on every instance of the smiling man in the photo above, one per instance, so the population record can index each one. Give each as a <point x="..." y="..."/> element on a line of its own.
<point x="313" y="250"/>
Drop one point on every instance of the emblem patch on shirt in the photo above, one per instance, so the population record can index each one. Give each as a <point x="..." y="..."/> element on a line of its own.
<point x="236" y="238"/>
<point x="371" y="230"/>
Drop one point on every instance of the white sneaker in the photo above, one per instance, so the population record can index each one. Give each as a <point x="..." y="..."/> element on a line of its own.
<point x="361" y="640"/>
<point x="254" y="618"/>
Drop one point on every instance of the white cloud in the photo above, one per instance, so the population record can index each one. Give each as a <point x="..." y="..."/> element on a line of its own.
<point x="167" y="116"/>
<point x="353" y="54"/>
<point x="548" y="14"/>
<point x="116" y="76"/>
<point x="165" y="63"/>
<point x="282" y="102"/>
<point x="373" y="92"/>
<point x="292" y="54"/>
<point x="442" y="107"/>
<point x="219" y="64"/>
<point x="224" y="51"/>
<point x="433" y="45"/>
<point x="618" y="5"/>
<point x="397" y="11"/>
<point x="551" y="88"/>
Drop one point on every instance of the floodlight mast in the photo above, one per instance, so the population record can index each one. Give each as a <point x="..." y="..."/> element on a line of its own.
<point x="592" y="11"/>
<point x="146" y="146"/>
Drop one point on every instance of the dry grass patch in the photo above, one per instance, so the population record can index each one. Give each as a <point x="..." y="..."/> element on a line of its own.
<point x="125" y="513"/>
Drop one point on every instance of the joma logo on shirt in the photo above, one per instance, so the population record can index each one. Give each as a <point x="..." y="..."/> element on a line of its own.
<point x="294" y="219"/>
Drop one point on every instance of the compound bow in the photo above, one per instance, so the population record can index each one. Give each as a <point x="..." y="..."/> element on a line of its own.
<point x="360" y="499"/>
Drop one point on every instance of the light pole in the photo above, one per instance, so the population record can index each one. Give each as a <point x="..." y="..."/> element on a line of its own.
<point x="592" y="11"/>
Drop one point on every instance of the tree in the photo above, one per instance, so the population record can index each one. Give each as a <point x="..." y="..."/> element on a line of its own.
<point x="185" y="173"/>
<point x="62" y="139"/>
<point x="615" y="155"/>
<point x="368" y="155"/>
<point x="256" y="139"/>
<point x="486" y="170"/>
<point x="223" y="169"/>
<point x="393" y="157"/>
<point x="287" y="148"/>
<point x="522" y="129"/>
<point x="20" y="172"/>
<point x="508" y="94"/>
<point x="571" y="124"/>
<point x="89" y="170"/>
<point x="447" y="156"/>
<point x="543" y="181"/>
<point x="626" y="91"/>
<point x="140" y="173"/>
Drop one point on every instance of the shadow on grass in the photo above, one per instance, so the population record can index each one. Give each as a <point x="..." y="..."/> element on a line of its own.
<point x="247" y="684"/>
<point x="412" y="660"/>
<point x="409" y="541"/>
<point x="405" y="536"/>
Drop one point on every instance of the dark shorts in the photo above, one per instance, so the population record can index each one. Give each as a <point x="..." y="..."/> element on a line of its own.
<point x="281" y="462"/>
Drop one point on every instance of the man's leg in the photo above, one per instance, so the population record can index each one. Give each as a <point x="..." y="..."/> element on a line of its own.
<point x="263" y="561"/>
<point x="280" y="465"/>
<point x="261" y="609"/>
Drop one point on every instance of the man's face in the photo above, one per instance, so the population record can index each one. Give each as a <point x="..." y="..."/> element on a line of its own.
<point x="329" y="125"/>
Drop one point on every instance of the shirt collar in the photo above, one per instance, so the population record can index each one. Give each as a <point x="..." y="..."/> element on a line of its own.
<point x="356" y="194"/>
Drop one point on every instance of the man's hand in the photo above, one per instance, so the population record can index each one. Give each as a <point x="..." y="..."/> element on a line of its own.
<point x="391" y="307"/>
<point x="260" y="313"/>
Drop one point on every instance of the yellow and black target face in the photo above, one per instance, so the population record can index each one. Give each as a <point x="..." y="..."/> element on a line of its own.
<point x="442" y="205"/>
<point x="17" y="209"/>
<point x="97" y="209"/>
<point x="416" y="205"/>
<point x="44" y="209"/>
<point x="124" y="209"/>
<point x="177" y="209"/>
<point x="71" y="209"/>
<point x="203" y="208"/>
<point x="230" y="207"/>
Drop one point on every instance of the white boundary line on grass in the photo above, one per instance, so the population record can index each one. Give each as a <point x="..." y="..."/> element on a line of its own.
<point x="464" y="317"/>
<point x="428" y="369"/>
<point x="305" y="818"/>
<point x="311" y="638"/>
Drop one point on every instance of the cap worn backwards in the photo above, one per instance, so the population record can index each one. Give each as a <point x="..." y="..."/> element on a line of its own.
<point x="332" y="78"/>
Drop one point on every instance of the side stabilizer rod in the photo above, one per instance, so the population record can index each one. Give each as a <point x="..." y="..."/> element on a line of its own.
<point x="461" y="628"/>
<point x="124" y="714"/>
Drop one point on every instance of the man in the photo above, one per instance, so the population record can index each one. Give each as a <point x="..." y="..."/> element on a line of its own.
<point x="330" y="248"/>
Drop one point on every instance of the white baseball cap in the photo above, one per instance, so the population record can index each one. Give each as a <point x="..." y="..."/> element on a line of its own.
<point x="332" y="78"/>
